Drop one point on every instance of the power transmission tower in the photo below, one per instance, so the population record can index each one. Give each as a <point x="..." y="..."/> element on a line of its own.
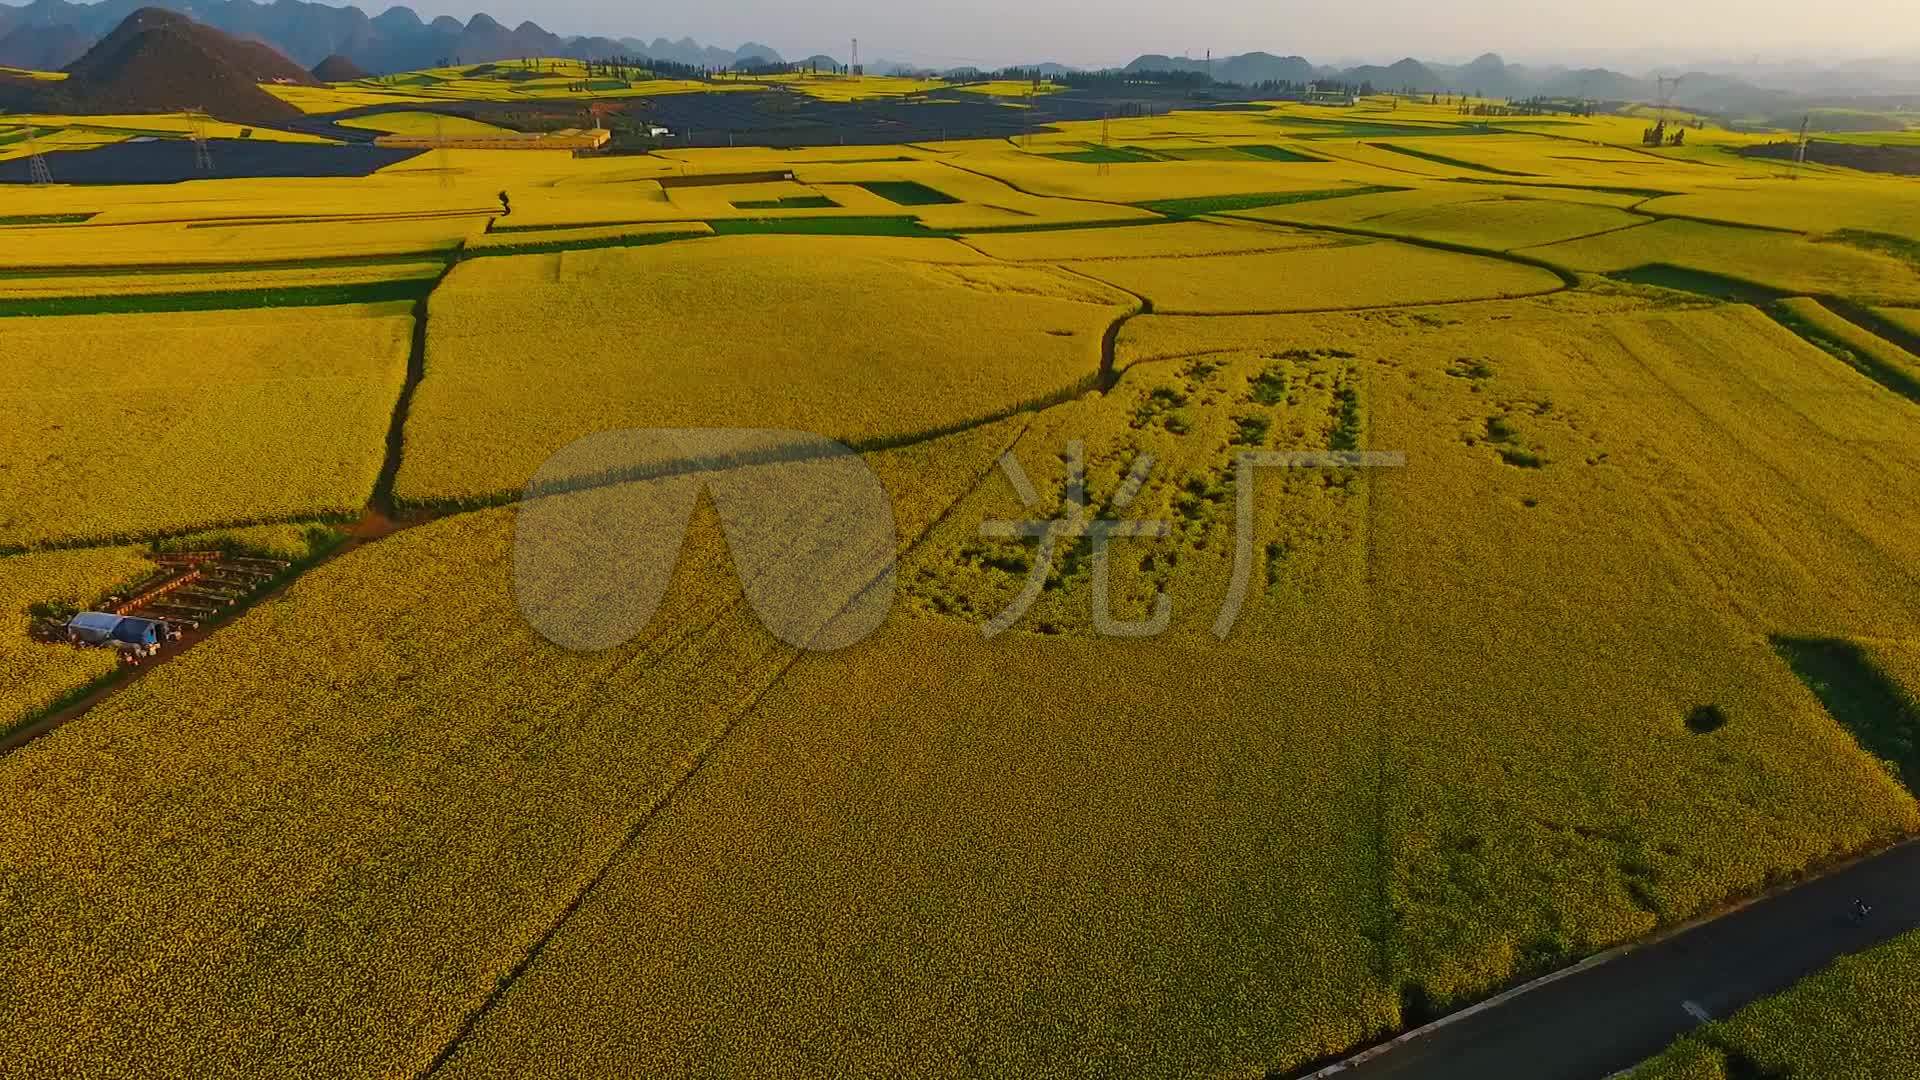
<point x="440" y="140"/>
<point x="1800" y="151"/>
<point x="37" y="170"/>
<point x="853" y="65"/>
<point x="197" y="131"/>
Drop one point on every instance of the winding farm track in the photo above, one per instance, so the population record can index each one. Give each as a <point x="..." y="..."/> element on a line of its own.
<point x="1620" y="1008"/>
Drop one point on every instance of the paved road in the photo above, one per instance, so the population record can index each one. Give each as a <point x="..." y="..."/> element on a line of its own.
<point x="1609" y="1017"/>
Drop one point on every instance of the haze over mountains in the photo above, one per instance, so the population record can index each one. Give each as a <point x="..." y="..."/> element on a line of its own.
<point x="50" y="34"/>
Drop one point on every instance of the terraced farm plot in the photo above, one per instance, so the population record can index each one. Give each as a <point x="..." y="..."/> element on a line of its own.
<point x="1774" y="260"/>
<point x="39" y="675"/>
<point x="1351" y="276"/>
<point x="437" y="125"/>
<point x="1856" y="1019"/>
<point x="1526" y="814"/>
<point x="133" y="425"/>
<point x="885" y="364"/>
<point x="281" y="282"/>
<point x="1503" y="224"/>
<point x="233" y="244"/>
<point x="368" y="798"/>
<point x="1179" y="239"/>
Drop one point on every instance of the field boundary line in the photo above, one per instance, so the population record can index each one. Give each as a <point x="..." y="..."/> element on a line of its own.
<point x="1600" y="959"/>
<point x="1568" y="279"/>
<point x="504" y="984"/>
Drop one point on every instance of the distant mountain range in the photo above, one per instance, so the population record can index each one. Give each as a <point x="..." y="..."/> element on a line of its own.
<point x="50" y="34"/>
<point x="161" y="61"/>
<point x="1487" y="76"/>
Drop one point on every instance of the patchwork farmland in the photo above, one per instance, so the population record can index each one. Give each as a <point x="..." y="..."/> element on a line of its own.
<point x="1550" y="684"/>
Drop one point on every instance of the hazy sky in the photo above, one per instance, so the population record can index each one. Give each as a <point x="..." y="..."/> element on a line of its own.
<point x="1114" y="31"/>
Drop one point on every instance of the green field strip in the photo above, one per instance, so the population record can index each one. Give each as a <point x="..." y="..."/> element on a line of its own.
<point x="906" y="192"/>
<point x="47" y="219"/>
<point x="27" y="273"/>
<point x="1319" y="128"/>
<point x="376" y="292"/>
<point x="792" y="202"/>
<point x="333" y="219"/>
<point x="1106" y="155"/>
<point x="498" y="228"/>
<point x="1276" y="153"/>
<point x="25" y="133"/>
<point x="1224" y="204"/>
<point x="1899" y="247"/>
<point x="1861" y="696"/>
<point x="545" y="247"/>
<point x="1063" y="226"/>
<point x="824" y="226"/>
<point x="1442" y="159"/>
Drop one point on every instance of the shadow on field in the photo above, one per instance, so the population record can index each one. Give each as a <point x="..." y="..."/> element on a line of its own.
<point x="1883" y="716"/>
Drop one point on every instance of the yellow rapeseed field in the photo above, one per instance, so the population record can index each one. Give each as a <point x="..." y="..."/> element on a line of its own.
<point x="422" y="123"/>
<point x="1772" y="259"/>
<point x="851" y="338"/>
<point x="369" y="798"/>
<point x="1178" y="239"/>
<point x="132" y="425"/>
<point x="186" y="243"/>
<point x="1348" y="276"/>
<point x="134" y="284"/>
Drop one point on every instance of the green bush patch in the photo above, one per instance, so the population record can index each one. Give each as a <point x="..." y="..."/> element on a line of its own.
<point x="791" y="202"/>
<point x="907" y="193"/>
<point x="1222" y="204"/>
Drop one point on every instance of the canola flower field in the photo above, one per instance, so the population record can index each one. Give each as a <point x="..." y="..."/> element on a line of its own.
<point x="1853" y="1020"/>
<point x="1477" y="717"/>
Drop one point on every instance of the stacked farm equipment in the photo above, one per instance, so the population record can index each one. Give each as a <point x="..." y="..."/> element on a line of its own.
<point x="188" y="591"/>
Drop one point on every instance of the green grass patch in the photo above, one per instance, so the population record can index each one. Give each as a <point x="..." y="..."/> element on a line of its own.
<point x="823" y="226"/>
<point x="1442" y="159"/>
<point x="47" y="219"/>
<point x="1276" y="153"/>
<point x="791" y="202"/>
<point x="1222" y="204"/>
<point x="25" y="273"/>
<point x="907" y="193"/>
<point x="1106" y="155"/>
<point x="233" y="299"/>
<point x="1063" y="226"/>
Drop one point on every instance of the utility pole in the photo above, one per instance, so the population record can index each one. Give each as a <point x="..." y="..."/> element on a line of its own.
<point x="197" y="131"/>
<point x="853" y="66"/>
<point x="37" y="170"/>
